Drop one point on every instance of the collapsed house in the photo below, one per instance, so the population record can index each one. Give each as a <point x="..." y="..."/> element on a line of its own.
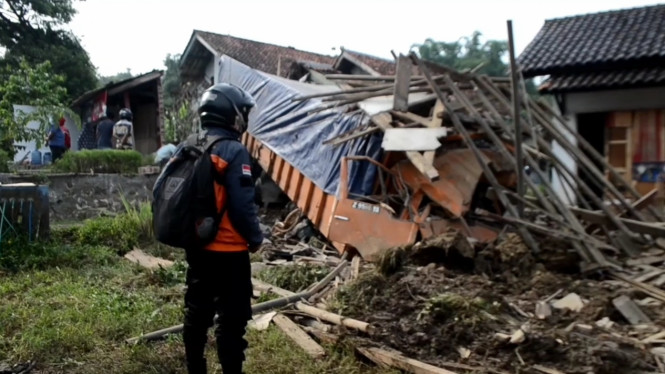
<point x="142" y="94"/>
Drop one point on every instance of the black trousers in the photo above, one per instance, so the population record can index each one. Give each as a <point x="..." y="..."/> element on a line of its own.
<point x="217" y="282"/>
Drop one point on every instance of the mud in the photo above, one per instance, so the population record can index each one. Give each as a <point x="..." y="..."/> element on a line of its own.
<point x="430" y="312"/>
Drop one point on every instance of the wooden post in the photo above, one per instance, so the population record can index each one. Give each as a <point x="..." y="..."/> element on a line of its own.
<point x="402" y="84"/>
<point x="514" y="80"/>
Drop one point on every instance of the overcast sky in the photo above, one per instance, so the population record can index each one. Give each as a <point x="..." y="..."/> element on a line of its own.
<point x="137" y="34"/>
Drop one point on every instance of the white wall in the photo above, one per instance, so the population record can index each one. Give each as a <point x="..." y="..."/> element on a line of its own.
<point x="561" y="188"/>
<point x="30" y="146"/>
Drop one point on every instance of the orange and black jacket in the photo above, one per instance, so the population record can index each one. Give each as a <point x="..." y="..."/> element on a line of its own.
<point x="239" y="228"/>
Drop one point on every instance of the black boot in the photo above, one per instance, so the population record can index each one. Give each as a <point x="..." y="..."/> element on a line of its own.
<point x="197" y="367"/>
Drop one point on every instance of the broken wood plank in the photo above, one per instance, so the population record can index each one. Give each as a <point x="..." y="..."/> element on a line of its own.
<point x="355" y="267"/>
<point x="648" y="260"/>
<point x="413" y="139"/>
<point x="649" y="274"/>
<point x="386" y="358"/>
<point x="653" y="338"/>
<point x="335" y="318"/>
<point x="300" y="337"/>
<point x="547" y="370"/>
<point x="402" y="84"/>
<point x="636" y="226"/>
<point x="630" y="311"/>
<point x="323" y="336"/>
<point x="414" y="117"/>
<point x="654" y="292"/>
<point x="422" y="164"/>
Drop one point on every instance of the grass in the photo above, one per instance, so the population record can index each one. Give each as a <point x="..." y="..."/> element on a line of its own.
<point x="100" y="161"/>
<point x="69" y="304"/>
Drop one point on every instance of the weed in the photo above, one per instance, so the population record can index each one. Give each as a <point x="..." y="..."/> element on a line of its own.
<point x="171" y="276"/>
<point x="465" y="311"/>
<point x="293" y="278"/>
<point x="392" y="260"/>
<point x="100" y="161"/>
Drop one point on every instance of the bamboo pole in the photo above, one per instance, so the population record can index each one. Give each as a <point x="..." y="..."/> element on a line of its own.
<point x="335" y="318"/>
<point x="526" y="236"/>
<point x="516" y="118"/>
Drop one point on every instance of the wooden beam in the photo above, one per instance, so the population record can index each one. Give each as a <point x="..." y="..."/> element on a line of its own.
<point x="396" y="360"/>
<point x="300" y="337"/>
<point x="334" y="318"/>
<point x="635" y="226"/>
<point x="402" y="84"/>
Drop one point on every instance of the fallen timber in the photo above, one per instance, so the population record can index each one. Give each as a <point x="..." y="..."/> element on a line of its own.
<point x="413" y="186"/>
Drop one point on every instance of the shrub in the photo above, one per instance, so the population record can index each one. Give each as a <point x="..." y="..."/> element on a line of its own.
<point x="100" y="161"/>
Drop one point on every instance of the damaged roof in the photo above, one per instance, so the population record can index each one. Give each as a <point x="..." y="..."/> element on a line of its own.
<point x="265" y="57"/>
<point x="625" y="38"/>
<point x="113" y="88"/>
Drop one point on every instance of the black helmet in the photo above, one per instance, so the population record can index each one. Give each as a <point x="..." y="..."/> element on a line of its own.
<point x="125" y="113"/>
<point x="225" y="105"/>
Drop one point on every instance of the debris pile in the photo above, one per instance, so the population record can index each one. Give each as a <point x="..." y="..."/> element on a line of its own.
<point x="470" y="177"/>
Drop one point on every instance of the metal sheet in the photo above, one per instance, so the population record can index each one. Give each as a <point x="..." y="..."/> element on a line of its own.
<point x="459" y="173"/>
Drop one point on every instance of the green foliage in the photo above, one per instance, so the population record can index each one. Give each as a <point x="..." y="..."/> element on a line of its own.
<point x="463" y="310"/>
<point x="467" y="53"/>
<point x="100" y="161"/>
<point x="4" y="160"/>
<point x="180" y="119"/>
<point x="293" y="278"/>
<point x="31" y="85"/>
<point x="121" y="233"/>
<point x="32" y="30"/>
<point x="470" y="54"/>
<point x="19" y="254"/>
<point x="103" y="81"/>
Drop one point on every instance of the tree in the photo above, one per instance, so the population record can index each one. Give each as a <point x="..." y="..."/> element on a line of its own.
<point x="103" y="81"/>
<point x="180" y="120"/>
<point x="471" y="54"/>
<point x="467" y="53"/>
<point x="29" y="29"/>
<point x="36" y="86"/>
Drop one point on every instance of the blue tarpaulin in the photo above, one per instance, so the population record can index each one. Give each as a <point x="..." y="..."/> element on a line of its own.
<point x="288" y="128"/>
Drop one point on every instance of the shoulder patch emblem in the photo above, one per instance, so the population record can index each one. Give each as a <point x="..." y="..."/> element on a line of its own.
<point x="246" y="170"/>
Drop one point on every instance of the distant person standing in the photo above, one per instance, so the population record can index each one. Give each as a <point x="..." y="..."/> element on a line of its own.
<point x="56" y="141"/>
<point x="68" y="137"/>
<point x="123" y="136"/>
<point x="105" y="131"/>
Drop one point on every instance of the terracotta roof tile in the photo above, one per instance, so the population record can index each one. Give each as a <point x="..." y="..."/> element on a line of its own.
<point x="261" y="56"/>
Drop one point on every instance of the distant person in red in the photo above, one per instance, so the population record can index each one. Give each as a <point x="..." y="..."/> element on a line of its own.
<point x="68" y="137"/>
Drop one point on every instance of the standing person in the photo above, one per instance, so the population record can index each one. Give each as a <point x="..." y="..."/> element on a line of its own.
<point x="105" y="131"/>
<point x="56" y="141"/>
<point x="219" y="275"/>
<point x="123" y="136"/>
<point x="68" y="137"/>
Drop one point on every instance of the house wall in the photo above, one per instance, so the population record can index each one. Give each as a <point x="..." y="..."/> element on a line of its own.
<point x="146" y="132"/>
<point x="21" y="154"/>
<point x="561" y="188"/>
<point x="635" y="130"/>
<point x="615" y="100"/>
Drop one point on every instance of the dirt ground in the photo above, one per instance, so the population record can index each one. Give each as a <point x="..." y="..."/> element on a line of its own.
<point x="434" y="307"/>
